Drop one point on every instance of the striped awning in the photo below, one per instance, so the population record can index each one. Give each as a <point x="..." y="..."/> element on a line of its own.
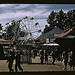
<point x="61" y="35"/>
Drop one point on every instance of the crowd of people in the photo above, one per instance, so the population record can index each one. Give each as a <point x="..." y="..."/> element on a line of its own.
<point x="67" y="57"/>
<point x="44" y="55"/>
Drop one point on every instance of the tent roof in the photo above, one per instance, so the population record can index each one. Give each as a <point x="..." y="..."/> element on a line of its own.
<point x="72" y="32"/>
<point x="50" y="34"/>
<point x="69" y="34"/>
<point x="5" y="42"/>
<point x="65" y="40"/>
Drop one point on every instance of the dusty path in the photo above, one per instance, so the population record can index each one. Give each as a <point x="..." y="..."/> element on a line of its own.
<point x="34" y="67"/>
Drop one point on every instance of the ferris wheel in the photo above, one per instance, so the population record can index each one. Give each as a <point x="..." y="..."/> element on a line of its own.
<point x="29" y="26"/>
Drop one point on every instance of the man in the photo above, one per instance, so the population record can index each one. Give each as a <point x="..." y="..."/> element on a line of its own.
<point x="10" y="61"/>
<point x="53" y="57"/>
<point x="46" y="57"/>
<point x="65" y="59"/>
<point x="42" y="56"/>
<point x="17" y="58"/>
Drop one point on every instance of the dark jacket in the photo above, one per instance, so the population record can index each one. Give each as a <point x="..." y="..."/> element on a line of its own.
<point x="17" y="58"/>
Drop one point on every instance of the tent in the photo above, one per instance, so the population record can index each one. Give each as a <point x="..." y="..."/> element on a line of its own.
<point x="51" y="34"/>
<point x="70" y="32"/>
<point x="67" y="39"/>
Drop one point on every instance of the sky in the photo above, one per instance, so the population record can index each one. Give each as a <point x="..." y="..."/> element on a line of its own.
<point x="40" y="12"/>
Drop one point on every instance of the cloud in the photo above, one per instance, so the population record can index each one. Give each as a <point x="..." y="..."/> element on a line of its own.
<point x="5" y="5"/>
<point x="40" y="12"/>
<point x="19" y="14"/>
<point x="20" y="6"/>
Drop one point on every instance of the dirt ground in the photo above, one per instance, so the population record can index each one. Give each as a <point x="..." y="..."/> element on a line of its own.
<point x="35" y="66"/>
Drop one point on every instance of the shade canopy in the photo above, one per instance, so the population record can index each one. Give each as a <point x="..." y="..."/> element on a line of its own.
<point x="67" y="39"/>
<point x="51" y="34"/>
<point x="6" y="42"/>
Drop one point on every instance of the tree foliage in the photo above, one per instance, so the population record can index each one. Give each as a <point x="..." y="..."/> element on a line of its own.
<point x="13" y="31"/>
<point x="62" y="20"/>
<point x="1" y="29"/>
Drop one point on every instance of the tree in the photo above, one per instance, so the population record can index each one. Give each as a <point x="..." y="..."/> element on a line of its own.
<point x="12" y="31"/>
<point x="1" y="29"/>
<point x="57" y="19"/>
<point x="64" y="21"/>
<point x="70" y="19"/>
<point x="52" y="19"/>
<point x="60" y="19"/>
<point x="46" y="29"/>
<point x="9" y="30"/>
